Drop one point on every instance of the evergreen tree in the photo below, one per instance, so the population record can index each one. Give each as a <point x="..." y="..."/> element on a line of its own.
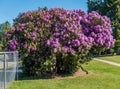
<point x="96" y="5"/>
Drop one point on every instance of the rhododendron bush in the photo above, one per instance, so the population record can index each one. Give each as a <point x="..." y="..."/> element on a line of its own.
<point x="58" y="40"/>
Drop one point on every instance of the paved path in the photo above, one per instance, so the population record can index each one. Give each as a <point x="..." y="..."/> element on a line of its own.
<point x="109" y="62"/>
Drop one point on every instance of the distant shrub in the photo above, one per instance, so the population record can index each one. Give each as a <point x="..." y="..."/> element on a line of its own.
<point x="117" y="45"/>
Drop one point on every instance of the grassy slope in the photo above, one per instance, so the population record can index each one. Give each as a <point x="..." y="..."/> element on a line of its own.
<point x="111" y="58"/>
<point x="101" y="76"/>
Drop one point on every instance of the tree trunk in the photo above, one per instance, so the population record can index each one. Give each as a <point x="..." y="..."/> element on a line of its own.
<point x="59" y="64"/>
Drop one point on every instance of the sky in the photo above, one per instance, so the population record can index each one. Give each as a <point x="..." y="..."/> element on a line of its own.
<point x="10" y="9"/>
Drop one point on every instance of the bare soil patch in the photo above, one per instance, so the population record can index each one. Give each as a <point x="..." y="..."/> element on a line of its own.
<point x="78" y="73"/>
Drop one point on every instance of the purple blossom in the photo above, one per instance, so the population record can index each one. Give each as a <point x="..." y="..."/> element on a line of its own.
<point x="8" y="34"/>
<point x="66" y="31"/>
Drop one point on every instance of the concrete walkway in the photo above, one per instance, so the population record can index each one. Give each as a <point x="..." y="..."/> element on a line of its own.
<point x="109" y="62"/>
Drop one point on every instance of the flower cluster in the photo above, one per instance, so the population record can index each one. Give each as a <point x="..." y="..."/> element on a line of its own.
<point x="98" y="27"/>
<point x="66" y="32"/>
<point x="13" y="44"/>
<point x="63" y="30"/>
<point x="30" y="28"/>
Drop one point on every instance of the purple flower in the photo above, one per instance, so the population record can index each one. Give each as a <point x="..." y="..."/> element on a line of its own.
<point x="8" y="34"/>
<point x="48" y="42"/>
<point x="55" y="50"/>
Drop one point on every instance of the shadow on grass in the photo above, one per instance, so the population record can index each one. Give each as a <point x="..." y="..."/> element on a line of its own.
<point x="23" y="76"/>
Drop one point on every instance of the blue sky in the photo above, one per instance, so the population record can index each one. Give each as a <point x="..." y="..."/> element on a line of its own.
<point x="9" y="9"/>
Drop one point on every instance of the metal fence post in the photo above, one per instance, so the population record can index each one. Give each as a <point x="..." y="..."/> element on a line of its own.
<point x="4" y="71"/>
<point x="16" y="59"/>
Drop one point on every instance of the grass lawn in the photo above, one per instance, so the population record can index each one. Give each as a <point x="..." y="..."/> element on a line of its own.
<point x="101" y="76"/>
<point x="111" y="58"/>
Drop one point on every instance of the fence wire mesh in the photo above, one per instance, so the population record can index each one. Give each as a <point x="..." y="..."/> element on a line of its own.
<point x="8" y="68"/>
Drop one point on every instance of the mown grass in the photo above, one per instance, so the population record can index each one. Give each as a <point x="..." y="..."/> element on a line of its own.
<point x="111" y="58"/>
<point x="101" y="76"/>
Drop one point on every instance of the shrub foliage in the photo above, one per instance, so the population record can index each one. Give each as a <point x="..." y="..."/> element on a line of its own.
<point x="58" y="40"/>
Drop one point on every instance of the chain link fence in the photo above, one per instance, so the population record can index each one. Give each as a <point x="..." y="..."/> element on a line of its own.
<point x="8" y="68"/>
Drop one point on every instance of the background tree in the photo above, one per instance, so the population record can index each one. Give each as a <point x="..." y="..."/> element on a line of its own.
<point x="110" y="8"/>
<point x="45" y="8"/>
<point x="96" y="5"/>
<point x="4" y="27"/>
